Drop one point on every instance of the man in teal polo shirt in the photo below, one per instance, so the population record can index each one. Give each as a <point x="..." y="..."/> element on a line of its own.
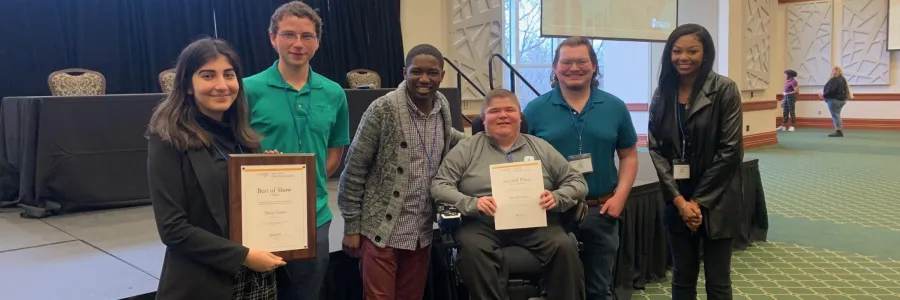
<point x="297" y="110"/>
<point x="588" y="126"/>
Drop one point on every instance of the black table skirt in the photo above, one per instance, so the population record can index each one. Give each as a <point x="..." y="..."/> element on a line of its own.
<point x="76" y="153"/>
<point x="62" y="154"/>
<point x="642" y="256"/>
<point x="755" y="217"/>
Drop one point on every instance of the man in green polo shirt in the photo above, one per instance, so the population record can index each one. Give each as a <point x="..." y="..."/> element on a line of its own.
<point x="297" y="110"/>
<point x="588" y="126"/>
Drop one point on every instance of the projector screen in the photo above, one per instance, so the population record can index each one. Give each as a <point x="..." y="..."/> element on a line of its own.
<point x="893" y="42"/>
<point x="634" y="20"/>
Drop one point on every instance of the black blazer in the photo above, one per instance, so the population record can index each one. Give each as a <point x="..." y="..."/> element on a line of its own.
<point x="713" y="121"/>
<point x="188" y="202"/>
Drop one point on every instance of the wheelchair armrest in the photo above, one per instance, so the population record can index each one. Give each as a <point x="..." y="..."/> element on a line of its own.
<point x="573" y="217"/>
<point x="448" y="218"/>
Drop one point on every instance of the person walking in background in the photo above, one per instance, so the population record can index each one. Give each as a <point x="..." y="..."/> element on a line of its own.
<point x="191" y="134"/>
<point x="695" y="140"/>
<point x="296" y="110"/>
<point x="835" y="94"/>
<point x="791" y="89"/>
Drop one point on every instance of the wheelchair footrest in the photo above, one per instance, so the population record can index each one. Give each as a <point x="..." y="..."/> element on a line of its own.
<point x="523" y="289"/>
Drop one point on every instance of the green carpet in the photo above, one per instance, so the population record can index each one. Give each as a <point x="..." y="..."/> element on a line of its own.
<point x="834" y="214"/>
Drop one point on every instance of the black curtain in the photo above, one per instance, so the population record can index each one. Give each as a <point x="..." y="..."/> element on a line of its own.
<point x="128" y="41"/>
<point x="131" y="41"/>
<point x="245" y="25"/>
<point x="357" y="34"/>
<point x="360" y="34"/>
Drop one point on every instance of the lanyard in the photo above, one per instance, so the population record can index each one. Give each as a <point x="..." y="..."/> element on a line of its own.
<point x="679" y="115"/>
<point x="428" y="154"/>
<point x="287" y="100"/>
<point x="578" y="130"/>
<point x="223" y="153"/>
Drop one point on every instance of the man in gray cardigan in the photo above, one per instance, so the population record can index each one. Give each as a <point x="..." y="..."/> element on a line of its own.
<point x="383" y="193"/>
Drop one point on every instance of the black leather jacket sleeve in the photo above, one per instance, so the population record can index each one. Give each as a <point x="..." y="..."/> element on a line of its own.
<point x="662" y="164"/>
<point x="835" y="88"/>
<point x="729" y="152"/>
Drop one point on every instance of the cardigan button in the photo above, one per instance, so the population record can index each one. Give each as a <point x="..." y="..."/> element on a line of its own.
<point x="396" y="194"/>
<point x="388" y="217"/>
<point x="403" y="145"/>
<point x="377" y="238"/>
<point x="400" y="170"/>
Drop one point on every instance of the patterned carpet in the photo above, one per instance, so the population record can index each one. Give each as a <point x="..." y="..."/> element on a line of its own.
<point x="844" y="186"/>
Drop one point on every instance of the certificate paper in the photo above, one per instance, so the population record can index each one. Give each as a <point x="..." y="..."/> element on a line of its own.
<point x="274" y="207"/>
<point x="516" y="188"/>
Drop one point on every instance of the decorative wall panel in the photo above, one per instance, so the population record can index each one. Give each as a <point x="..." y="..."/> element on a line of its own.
<point x="476" y="33"/>
<point x="757" y="43"/>
<point x="809" y="41"/>
<point x="864" y="56"/>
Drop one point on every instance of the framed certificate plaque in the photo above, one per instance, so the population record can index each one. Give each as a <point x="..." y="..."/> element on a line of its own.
<point x="272" y="203"/>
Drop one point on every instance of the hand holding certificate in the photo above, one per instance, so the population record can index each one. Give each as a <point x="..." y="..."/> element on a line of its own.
<point x="272" y="203"/>
<point x="519" y="195"/>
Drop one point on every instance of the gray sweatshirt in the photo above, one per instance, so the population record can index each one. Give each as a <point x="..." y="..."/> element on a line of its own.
<point x="465" y="176"/>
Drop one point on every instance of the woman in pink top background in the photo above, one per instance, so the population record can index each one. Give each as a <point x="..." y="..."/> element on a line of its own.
<point x="791" y="89"/>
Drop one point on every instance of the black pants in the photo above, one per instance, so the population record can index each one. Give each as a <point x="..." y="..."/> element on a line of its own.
<point x="303" y="279"/>
<point x="480" y="260"/>
<point x="686" y="257"/>
<point x="789" y="111"/>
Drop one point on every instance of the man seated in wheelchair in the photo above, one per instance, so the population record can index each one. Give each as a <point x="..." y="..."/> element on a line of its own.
<point x="464" y="181"/>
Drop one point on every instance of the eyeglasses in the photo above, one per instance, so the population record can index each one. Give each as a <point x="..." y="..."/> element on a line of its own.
<point x="291" y="36"/>
<point x="569" y="63"/>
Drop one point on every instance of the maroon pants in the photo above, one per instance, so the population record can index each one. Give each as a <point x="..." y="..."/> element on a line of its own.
<point x="393" y="274"/>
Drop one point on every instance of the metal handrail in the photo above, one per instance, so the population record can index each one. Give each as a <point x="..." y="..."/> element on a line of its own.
<point x="459" y="77"/>
<point x="512" y="74"/>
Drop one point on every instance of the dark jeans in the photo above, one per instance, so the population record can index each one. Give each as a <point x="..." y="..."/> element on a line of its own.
<point x="685" y="247"/>
<point x="305" y="277"/>
<point x="600" y="236"/>
<point x="834" y="107"/>
<point x="480" y="260"/>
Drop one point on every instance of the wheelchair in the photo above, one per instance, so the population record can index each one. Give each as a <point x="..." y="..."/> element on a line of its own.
<point x="525" y="280"/>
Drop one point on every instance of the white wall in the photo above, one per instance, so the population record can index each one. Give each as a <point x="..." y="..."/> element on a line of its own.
<point x="627" y="70"/>
<point x="427" y="22"/>
<point x="817" y="109"/>
<point x="755" y="122"/>
<point x="704" y="13"/>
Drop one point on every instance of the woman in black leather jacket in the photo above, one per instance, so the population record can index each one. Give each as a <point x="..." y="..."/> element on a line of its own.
<point x="835" y="94"/>
<point x="696" y="143"/>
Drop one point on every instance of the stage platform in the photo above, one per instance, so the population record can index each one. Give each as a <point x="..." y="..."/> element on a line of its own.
<point x="109" y="254"/>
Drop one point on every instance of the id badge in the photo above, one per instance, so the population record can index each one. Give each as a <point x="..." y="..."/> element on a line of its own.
<point x="681" y="169"/>
<point x="581" y="163"/>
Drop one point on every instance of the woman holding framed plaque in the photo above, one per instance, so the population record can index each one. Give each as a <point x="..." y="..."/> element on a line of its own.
<point x="192" y="132"/>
